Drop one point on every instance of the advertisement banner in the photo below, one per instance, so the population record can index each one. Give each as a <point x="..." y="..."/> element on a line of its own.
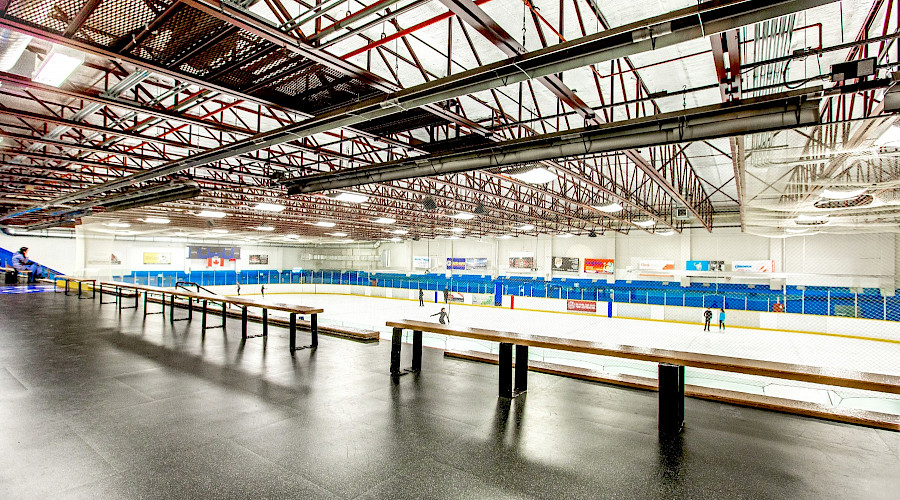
<point x="717" y="265"/>
<point x="697" y="265"/>
<point x="456" y="263"/>
<point x="157" y="258"/>
<point x="521" y="260"/>
<point x="421" y="262"/>
<point x="753" y="266"/>
<point x="600" y="266"/>
<point x="566" y="264"/>
<point x="259" y="259"/>
<point x="477" y="263"/>
<point x="581" y="305"/>
<point x="102" y="259"/>
<point x="657" y="265"/>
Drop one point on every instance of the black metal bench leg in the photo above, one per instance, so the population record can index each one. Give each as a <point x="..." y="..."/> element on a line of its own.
<point x="224" y="315"/>
<point x="671" y="398"/>
<point x="314" y="330"/>
<point x="203" y="320"/>
<point x="137" y="296"/>
<point x="506" y="350"/>
<point x="293" y="332"/>
<point x="244" y="322"/>
<point x="171" y="308"/>
<point x="417" y="352"/>
<point x="145" y="302"/>
<point x="521" y="378"/>
<point x="265" y="322"/>
<point x="395" y="352"/>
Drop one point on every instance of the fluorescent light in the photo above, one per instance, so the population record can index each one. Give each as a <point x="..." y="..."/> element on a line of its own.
<point x="841" y="194"/>
<point x="795" y="230"/>
<point x="264" y="228"/>
<point x="610" y="208"/>
<point x="452" y="237"/>
<point x="890" y="137"/>
<point x="457" y="229"/>
<point x="564" y="235"/>
<point x="811" y="218"/>
<point x="211" y="214"/>
<point x="117" y="224"/>
<point x="156" y="220"/>
<point x="398" y="231"/>
<point x="291" y="236"/>
<point x="667" y="232"/>
<point x="504" y="237"/>
<point x="525" y="227"/>
<point x="218" y="231"/>
<point x="269" y="207"/>
<point x="384" y="220"/>
<point x="339" y="235"/>
<point x="59" y="64"/>
<point x="536" y="175"/>
<point x="645" y="223"/>
<point x="396" y="239"/>
<point x="463" y="216"/>
<point x="350" y="197"/>
<point x="323" y="224"/>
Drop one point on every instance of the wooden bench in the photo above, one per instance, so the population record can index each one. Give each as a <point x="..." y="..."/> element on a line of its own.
<point x="80" y="281"/>
<point x="205" y="298"/>
<point x="671" y="365"/>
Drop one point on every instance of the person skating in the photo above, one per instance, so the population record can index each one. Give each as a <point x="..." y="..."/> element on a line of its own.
<point x="421" y="298"/>
<point x="443" y="315"/>
<point x="446" y="295"/>
<point x="721" y="319"/>
<point x="707" y="317"/>
<point x="262" y="290"/>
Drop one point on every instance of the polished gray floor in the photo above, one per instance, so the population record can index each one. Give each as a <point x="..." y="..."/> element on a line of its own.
<point x="94" y="404"/>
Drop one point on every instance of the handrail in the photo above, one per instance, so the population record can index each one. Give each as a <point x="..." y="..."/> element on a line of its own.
<point x="181" y="284"/>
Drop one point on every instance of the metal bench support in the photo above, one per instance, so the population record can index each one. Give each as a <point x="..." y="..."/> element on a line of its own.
<point x="671" y="398"/>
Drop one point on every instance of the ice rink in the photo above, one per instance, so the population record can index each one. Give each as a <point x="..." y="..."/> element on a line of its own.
<point x="874" y="355"/>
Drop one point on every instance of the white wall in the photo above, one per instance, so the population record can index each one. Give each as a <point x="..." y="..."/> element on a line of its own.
<point x="836" y="260"/>
<point x="824" y="259"/>
<point x="55" y="253"/>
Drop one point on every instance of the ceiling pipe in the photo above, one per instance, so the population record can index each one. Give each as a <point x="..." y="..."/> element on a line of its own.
<point x="710" y="122"/>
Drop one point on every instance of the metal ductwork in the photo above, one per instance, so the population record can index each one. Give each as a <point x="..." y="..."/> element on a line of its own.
<point x="784" y="111"/>
<point x="12" y="44"/>
<point x="153" y="195"/>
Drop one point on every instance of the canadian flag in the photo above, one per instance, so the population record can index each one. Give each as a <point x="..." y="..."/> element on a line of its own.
<point x="215" y="261"/>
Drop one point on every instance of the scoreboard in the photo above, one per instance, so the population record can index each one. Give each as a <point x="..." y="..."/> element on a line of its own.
<point x="225" y="253"/>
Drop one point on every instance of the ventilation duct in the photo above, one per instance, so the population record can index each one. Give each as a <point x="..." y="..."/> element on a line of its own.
<point x="12" y="45"/>
<point x="787" y="111"/>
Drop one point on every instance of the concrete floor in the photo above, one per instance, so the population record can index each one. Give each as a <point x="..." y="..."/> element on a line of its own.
<point x="94" y="404"/>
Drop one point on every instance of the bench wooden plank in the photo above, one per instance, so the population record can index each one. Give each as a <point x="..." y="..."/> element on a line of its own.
<point x="238" y="301"/>
<point x="803" y="373"/>
<point x="838" y="414"/>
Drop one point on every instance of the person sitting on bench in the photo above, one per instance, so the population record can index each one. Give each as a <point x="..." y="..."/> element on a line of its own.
<point x="20" y="263"/>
